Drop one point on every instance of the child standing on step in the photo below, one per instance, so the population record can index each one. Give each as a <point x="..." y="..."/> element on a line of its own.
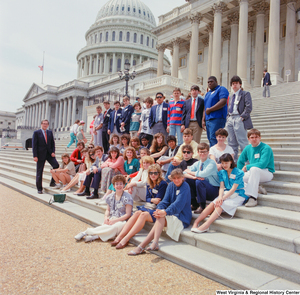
<point x="119" y="209"/>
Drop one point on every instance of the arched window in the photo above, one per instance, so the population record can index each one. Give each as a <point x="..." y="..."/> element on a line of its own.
<point x="139" y="11"/>
<point x="152" y="43"/>
<point x="133" y="9"/>
<point x="134" y="38"/>
<point x="96" y="38"/>
<point x="112" y="8"/>
<point x="100" y="37"/>
<point x="148" y="41"/>
<point x="128" y="36"/>
<point x="134" y="62"/>
<point x="121" y="36"/>
<point x="123" y="8"/>
<point x="126" y="60"/>
<point x="110" y="65"/>
<point x="106" y="37"/>
<point x="91" y="39"/>
<point x="128" y="8"/>
<point x="119" y="64"/>
<point x="113" y="36"/>
<point x="99" y="66"/>
<point x="117" y="8"/>
<point x="142" y="39"/>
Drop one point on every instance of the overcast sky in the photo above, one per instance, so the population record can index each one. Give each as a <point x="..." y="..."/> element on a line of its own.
<point x="58" y="27"/>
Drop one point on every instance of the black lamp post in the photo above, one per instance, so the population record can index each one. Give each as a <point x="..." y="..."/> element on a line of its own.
<point x="7" y="130"/>
<point x="127" y="76"/>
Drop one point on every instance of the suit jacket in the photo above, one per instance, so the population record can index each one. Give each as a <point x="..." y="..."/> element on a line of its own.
<point x="40" y="148"/>
<point x="244" y="107"/>
<point x="186" y="112"/>
<point x="267" y="79"/>
<point x="118" y="120"/>
<point x="126" y="117"/>
<point x="106" y="120"/>
<point x="152" y="115"/>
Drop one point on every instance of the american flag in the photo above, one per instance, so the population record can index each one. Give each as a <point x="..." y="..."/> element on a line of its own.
<point x="41" y="67"/>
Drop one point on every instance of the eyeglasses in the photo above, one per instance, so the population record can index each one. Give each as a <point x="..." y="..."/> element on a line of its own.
<point x="159" y="97"/>
<point x="90" y="147"/>
<point x="92" y="154"/>
<point x="204" y="152"/>
<point x="153" y="173"/>
<point x="186" y="152"/>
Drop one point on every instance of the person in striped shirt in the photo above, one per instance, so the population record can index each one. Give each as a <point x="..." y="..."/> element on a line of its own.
<point x="175" y="115"/>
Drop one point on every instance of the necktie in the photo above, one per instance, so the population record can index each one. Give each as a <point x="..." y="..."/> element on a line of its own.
<point x="46" y="136"/>
<point x="232" y="104"/>
<point x="201" y="167"/>
<point x="105" y="113"/>
<point x="193" y="108"/>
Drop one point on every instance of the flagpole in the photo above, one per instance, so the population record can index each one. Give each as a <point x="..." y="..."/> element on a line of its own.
<point x="43" y="67"/>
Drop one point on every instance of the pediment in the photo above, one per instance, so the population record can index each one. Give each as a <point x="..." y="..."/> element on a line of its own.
<point x="34" y="90"/>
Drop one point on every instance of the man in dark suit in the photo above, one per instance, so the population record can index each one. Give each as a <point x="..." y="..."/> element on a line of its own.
<point x="266" y="83"/>
<point x="43" y="148"/>
<point x="105" y="135"/>
<point x="158" y="118"/>
<point x="192" y="113"/>
<point x="114" y="122"/>
<point x="126" y="115"/>
<point x="238" y="117"/>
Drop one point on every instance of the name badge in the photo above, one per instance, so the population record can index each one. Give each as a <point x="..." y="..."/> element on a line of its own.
<point x="154" y="191"/>
<point x="232" y="176"/>
<point x="165" y="109"/>
<point x="108" y="115"/>
<point x="125" y="110"/>
<point x="118" y="115"/>
<point x="131" y="167"/>
<point x="236" y="102"/>
<point x="120" y="205"/>
<point x="178" y="109"/>
<point x="177" y="192"/>
<point x="213" y="92"/>
<point x="257" y="156"/>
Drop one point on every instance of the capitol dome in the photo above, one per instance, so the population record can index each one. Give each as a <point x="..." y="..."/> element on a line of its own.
<point x="122" y="32"/>
<point x="133" y="8"/>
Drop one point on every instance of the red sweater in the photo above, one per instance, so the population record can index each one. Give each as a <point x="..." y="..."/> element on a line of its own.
<point x="74" y="157"/>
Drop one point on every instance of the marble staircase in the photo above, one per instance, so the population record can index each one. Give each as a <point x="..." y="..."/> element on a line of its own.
<point x="257" y="249"/>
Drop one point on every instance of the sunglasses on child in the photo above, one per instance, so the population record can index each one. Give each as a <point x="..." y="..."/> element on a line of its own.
<point x="153" y="173"/>
<point x="186" y="152"/>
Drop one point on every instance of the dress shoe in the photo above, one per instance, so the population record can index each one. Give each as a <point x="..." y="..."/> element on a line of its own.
<point x="121" y="246"/>
<point x="198" y="231"/>
<point x="92" y="196"/>
<point x="198" y="211"/>
<point x="40" y="192"/>
<point x="194" y="207"/>
<point x="52" y="184"/>
<point x="83" y="194"/>
<point x="114" y="243"/>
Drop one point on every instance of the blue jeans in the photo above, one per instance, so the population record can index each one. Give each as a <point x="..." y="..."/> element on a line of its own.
<point x="176" y="129"/>
<point x="73" y="139"/>
<point x="212" y="126"/>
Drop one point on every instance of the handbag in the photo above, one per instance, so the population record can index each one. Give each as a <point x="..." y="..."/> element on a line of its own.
<point x="59" y="198"/>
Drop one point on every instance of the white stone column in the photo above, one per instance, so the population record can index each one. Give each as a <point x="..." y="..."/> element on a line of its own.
<point x="122" y="62"/>
<point x="114" y="65"/>
<point x="60" y="113"/>
<point x="141" y="59"/>
<point x="217" y="39"/>
<point x="32" y="116"/>
<point x="84" y="111"/>
<point x="175" y="59"/>
<point x="242" y="44"/>
<point x="29" y="116"/>
<point x="273" y="45"/>
<point x="47" y="108"/>
<point x="160" y="66"/>
<point x="289" y="49"/>
<point x="194" y="43"/>
<point x="131" y="59"/>
<point x="85" y="71"/>
<point x="234" y="20"/>
<point x="91" y="65"/>
<point x="65" y="112"/>
<point x="209" y="29"/>
<point x="74" y="109"/>
<point x="97" y="65"/>
<point x="69" y="111"/>
<point x="38" y="113"/>
<point x="56" y="114"/>
<point x="101" y="65"/>
<point x="78" y="69"/>
<point x="225" y="61"/>
<point x="260" y="9"/>
<point x="105" y="63"/>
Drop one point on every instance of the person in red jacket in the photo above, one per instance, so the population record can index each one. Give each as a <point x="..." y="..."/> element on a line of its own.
<point x="76" y="155"/>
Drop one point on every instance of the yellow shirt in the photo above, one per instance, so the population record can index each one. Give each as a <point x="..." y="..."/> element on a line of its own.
<point x="179" y="155"/>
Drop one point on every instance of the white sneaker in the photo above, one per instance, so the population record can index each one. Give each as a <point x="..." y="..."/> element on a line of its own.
<point x="80" y="236"/>
<point x="57" y="186"/>
<point x="251" y="203"/>
<point x="65" y="191"/>
<point x="262" y="190"/>
<point x="90" y="238"/>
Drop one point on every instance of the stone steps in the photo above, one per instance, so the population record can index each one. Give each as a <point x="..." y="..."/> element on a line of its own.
<point x="282" y="187"/>
<point x="205" y="254"/>
<point x="288" y="176"/>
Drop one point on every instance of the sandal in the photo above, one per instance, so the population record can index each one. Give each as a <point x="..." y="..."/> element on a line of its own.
<point x="133" y="253"/>
<point x="156" y="248"/>
<point x="121" y="246"/>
